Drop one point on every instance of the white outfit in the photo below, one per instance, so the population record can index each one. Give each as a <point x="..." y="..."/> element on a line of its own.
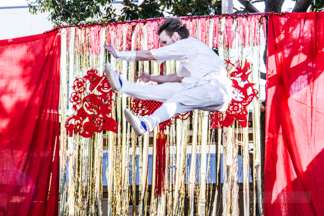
<point x="205" y="85"/>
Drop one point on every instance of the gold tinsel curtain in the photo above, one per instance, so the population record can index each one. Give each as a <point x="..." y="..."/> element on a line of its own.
<point x="193" y="150"/>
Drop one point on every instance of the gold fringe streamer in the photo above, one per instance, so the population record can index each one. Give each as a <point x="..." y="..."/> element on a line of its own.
<point x="85" y="191"/>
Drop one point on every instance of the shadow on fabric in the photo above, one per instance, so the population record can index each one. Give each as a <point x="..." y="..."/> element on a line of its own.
<point x="294" y="115"/>
<point x="29" y="125"/>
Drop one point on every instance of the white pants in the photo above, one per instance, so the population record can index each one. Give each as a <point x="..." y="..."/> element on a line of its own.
<point x="177" y="97"/>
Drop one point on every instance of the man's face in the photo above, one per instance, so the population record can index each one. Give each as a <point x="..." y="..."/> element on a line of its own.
<point x="167" y="40"/>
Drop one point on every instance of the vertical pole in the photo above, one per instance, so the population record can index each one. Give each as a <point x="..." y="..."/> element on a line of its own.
<point x="192" y="179"/>
<point x="203" y="168"/>
<point x="227" y="6"/>
<point x="70" y="139"/>
<point x="63" y="95"/>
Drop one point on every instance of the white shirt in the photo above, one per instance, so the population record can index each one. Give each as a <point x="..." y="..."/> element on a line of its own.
<point x="197" y="61"/>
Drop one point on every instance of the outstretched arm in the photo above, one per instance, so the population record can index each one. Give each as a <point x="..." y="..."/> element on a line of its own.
<point x="145" y="77"/>
<point x="141" y="55"/>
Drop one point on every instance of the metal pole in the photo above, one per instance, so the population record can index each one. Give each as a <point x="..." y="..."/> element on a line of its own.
<point x="227" y="6"/>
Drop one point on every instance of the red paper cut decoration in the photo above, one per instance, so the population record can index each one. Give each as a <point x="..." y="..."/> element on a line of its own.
<point x="243" y="96"/>
<point x="160" y="163"/>
<point x="94" y="110"/>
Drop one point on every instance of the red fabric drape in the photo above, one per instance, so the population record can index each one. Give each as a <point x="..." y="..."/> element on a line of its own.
<point x="29" y="125"/>
<point x="294" y="160"/>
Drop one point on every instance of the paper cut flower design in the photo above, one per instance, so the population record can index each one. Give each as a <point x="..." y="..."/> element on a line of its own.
<point x="79" y="85"/>
<point x="93" y="107"/>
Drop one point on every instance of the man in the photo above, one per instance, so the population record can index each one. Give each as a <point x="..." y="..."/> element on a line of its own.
<point x="200" y="82"/>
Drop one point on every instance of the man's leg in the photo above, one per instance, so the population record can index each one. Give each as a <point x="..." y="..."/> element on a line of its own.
<point x="210" y="95"/>
<point x="144" y="92"/>
<point x="160" y="92"/>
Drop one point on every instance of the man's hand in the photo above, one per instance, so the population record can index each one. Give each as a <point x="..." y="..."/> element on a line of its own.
<point x="111" y="50"/>
<point x="145" y="77"/>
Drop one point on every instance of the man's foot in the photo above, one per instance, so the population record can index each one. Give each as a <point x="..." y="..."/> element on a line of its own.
<point x="139" y="126"/>
<point x="113" y="78"/>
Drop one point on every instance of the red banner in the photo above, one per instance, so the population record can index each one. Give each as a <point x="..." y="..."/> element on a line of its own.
<point x="294" y="160"/>
<point x="29" y="125"/>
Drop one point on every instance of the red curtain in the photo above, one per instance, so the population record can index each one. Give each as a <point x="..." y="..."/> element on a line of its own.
<point x="294" y="160"/>
<point x="29" y="125"/>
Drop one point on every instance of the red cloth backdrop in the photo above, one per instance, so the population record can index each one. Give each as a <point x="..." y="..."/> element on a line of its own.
<point x="29" y="125"/>
<point x="294" y="160"/>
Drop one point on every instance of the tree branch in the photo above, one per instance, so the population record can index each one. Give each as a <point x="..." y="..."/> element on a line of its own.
<point x="247" y="4"/>
<point x="302" y="5"/>
<point x="273" y="5"/>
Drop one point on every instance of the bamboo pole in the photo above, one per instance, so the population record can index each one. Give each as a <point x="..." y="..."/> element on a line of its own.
<point x="134" y="171"/>
<point x="152" y="203"/>
<point x="111" y="164"/>
<point x="226" y="145"/>
<point x="246" y="187"/>
<point x="202" y="198"/>
<point x="184" y="141"/>
<point x="71" y="66"/>
<point x="178" y="169"/>
<point x="63" y="140"/>
<point x="167" y="173"/>
<point x="71" y="139"/>
<point x="209" y="40"/>
<point x="172" y="168"/>
<point x="134" y="139"/>
<point x="235" y="187"/>
<point x="141" y="189"/>
<point x="211" y="134"/>
<point x="98" y="171"/>
<point x="125" y="186"/>
<point x="219" y="141"/>
<point x="119" y="162"/>
<point x="256" y="125"/>
<point x="192" y="178"/>
<point x="110" y="177"/>
<point x="124" y="132"/>
<point x="145" y="170"/>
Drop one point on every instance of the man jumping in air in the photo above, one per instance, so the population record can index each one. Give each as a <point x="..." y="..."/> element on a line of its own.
<point x="200" y="82"/>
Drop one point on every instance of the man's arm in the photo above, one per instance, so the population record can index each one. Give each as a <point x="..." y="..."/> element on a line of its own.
<point x="144" y="55"/>
<point x="141" y="55"/>
<point x="145" y="77"/>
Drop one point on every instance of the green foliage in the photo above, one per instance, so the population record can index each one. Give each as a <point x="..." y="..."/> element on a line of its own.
<point x="146" y="10"/>
<point x="317" y="5"/>
<point x="76" y="12"/>
<point x="192" y="7"/>
<point x="69" y="12"/>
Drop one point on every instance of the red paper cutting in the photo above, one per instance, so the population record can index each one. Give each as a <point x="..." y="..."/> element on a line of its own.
<point x="243" y="96"/>
<point x="93" y="110"/>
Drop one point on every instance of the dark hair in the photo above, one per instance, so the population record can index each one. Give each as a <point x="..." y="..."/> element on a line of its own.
<point x="171" y="25"/>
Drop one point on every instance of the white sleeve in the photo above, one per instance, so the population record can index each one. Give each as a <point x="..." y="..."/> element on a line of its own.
<point x="182" y="71"/>
<point x="175" y="51"/>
